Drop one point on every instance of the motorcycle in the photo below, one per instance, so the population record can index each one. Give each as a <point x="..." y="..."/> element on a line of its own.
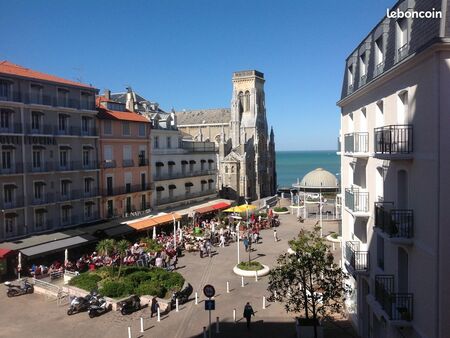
<point x="97" y="307"/>
<point x="129" y="306"/>
<point x="17" y="290"/>
<point x="79" y="304"/>
<point x="182" y="296"/>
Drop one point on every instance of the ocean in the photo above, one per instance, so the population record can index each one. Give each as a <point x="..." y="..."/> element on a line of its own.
<point x="296" y="164"/>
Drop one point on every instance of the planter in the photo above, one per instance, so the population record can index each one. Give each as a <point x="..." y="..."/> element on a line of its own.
<point x="282" y="212"/>
<point x="335" y="240"/>
<point x="247" y="273"/>
<point x="305" y="328"/>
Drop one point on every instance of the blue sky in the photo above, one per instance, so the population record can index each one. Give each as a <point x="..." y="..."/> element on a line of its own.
<point x="181" y="53"/>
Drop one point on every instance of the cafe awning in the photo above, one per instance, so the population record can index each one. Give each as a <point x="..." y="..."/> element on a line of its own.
<point x="212" y="208"/>
<point x="154" y="221"/>
<point x="5" y="252"/>
<point x="59" y="245"/>
<point x="119" y="230"/>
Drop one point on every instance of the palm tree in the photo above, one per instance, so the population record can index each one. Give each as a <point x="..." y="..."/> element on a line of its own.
<point x="121" y="249"/>
<point x="105" y="246"/>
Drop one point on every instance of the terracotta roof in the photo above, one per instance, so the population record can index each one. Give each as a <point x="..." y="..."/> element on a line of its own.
<point x="154" y="221"/>
<point x="9" y="68"/>
<point x="121" y="115"/>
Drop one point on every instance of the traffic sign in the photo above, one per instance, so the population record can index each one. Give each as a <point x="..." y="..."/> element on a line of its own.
<point x="210" y="304"/>
<point x="209" y="291"/>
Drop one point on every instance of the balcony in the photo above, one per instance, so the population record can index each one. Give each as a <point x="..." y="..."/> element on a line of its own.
<point x="394" y="142"/>
<point x="357" y="202"/>
<point x="362" y="80"/>
<point x="15" y="168"/>
<point x="358" y="260"/>
<point x="184" y="197"/>
<point x="43" y="199"/>
<point x="350" y="89"/>
<point x="73" y="220"/>
<point x="194" y="147"/>
<point x="127" y="163"/>
<point x="40" y="168"/>
<point x="49" y="129"/>
<point x="397" y="306"/>
<point x="93" y="192"/>
<point x="171" y="176"/>
<point x="396" y="224"/>
<point x="13" y="128"/>
<point x="127" y="189"/>
<point x="379" y="69"/>
<point x="45" y="225"/>
<point x="143" y="162"/>
<point x="402" y="52"/>
<point x="356" y="144"/>
<point x="108" y="164"/>
<point x="15" y="203"/>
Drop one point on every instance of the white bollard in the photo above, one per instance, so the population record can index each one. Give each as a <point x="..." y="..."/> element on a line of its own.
<point x="176" y="305"/>
<point x="159" y="315"/>
<point x="334" y="247"/>
<point x="242" y="281"/>
<point x="228" y="287"/>
<point x="129" y="332"/>
<point x="256" y="276"/>
<point x="204" y="331"/>
<point x="196" y="298"/>
<point x="217" y="325"/>
<point x="234" y="315"/>
<point x="264" y="302"/>
<point x="142" y="325"/>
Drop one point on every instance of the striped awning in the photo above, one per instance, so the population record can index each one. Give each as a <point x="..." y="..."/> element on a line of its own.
<point x="154" y="221"/>
<point x="212" y="208"/>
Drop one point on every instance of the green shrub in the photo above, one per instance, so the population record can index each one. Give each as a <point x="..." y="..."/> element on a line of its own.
<point x="173" y="282"/>
<point x="86" y="281"/>
<point x="105" y="272"/>
<point x="280" y="209"/>
<point x="250" y="266"/>
<point x="334" y="235"/>
<point x="138" y="277"/>
<point x="116" y="289"/>
<point x="152" y="288"/>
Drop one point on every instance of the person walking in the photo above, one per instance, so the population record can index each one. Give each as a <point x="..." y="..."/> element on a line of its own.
<point x="248" y="312"/>
<point x="154" y="307"/>
<point x="246" y="243"/>
<point x="222" y="241"/>
<point x="275" y="235"/>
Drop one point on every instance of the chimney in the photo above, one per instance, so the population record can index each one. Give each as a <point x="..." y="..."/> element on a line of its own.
<point x="107" y="94"/>
<point x="130" y="99"/>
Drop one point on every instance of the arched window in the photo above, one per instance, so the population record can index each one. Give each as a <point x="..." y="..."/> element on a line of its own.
<point x="241" y="102"/>
<point x="247" y="101"/>
<point x="226" y="169"/>
<point x="232" y="168"/>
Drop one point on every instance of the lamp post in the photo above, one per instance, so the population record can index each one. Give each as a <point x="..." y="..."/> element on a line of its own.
<point x="320" y="208"/>
<point x="174" y="232"/>
<point x="237" y="235"/>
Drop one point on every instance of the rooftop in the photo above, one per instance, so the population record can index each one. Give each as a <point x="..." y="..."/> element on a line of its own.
<point x="9" y="68"/>
<point x="203" y="116"/>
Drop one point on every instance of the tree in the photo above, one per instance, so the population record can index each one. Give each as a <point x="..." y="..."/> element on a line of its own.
<point x="121" y="249"/>
<point x="308" y="281"/>
<point x="105" y="246"/>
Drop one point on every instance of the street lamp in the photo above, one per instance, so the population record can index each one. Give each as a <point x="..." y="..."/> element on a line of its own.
<point x="320" y="208"/>
<point x="174" y="232"/>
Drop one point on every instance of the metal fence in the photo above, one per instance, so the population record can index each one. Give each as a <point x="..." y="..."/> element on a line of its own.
<point x="394" y="139"/>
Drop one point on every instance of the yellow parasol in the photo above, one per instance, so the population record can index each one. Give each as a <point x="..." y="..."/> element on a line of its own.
<point x="246" y="207"/>
<point x="233" y="209"/>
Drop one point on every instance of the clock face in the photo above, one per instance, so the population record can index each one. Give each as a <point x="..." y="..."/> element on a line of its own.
<point x="209" y="291"/>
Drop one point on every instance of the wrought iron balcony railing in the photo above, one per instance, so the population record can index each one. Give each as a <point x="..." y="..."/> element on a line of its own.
<point x="394" y="139"/>
<point x="127" y="189"/>
<point x="397" y="223"/>
<point x="357" y="201"/>
<point x="356" y="143"/>
<point x="13" y="168"/>
<point x="398" y="306"/>
<point x="357" y="259"/>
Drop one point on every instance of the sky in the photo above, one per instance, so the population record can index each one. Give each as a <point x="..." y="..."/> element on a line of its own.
<point x="182" y="53"/>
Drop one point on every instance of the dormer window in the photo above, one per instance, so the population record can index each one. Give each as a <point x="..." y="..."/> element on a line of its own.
<point x="350" y="77"/>
<point x="5" y="90"/>
<point x="36" y="94"/>
<point x="115" y="106"/>
<point x="379" y="51"/>
<point x="363" y="68"/>
<point x="402" y="38"/>
<point x="87" y="101"/>
<point x="63" y="97"/>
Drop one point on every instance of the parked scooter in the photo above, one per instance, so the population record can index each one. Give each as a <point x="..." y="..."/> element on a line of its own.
<point x="97" y="307"/>
<point x="182" y="295"/>
<point x="130" y="305"/>
<point x="79" y="304"/>
<point x="17" y="290"/>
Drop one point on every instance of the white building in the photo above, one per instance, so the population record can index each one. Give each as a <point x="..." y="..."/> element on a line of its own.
<point x="395" y="165"/>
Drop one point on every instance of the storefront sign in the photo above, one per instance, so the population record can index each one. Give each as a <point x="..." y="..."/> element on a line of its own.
<point x="137" y="213"/>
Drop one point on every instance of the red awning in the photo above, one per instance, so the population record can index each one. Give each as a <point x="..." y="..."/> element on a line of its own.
<point x="5" y="252"/>
<point x="211" y="208"/>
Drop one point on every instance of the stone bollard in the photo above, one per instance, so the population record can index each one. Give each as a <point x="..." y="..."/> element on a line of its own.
<point x="159" y="315"/>
<point x="234" y="315"/>
<point x="242" y="281"/>
<point x="196" y="298"/>
<point x="256" y="276"/>
<point x="129" y="332"/>
<point x="176" y="305"/>
<point x="142" y="325"/>
<point x="264" y="302"/>
<point x="228" y="287"/>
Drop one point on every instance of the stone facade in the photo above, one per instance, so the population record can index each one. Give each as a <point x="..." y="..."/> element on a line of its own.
<point x="246" y="149"/>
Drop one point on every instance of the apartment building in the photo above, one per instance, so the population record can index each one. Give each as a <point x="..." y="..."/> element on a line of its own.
<point x="124" y="149"/>
<point x="48" y="167"/>
<point x="395" y="160"/>
<point x="183" y="171"/>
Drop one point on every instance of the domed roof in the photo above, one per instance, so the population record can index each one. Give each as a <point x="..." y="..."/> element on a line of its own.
<point x="319" y="178"/>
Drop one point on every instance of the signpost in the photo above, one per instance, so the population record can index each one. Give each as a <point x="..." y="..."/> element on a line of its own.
<point x="210" y="304"/>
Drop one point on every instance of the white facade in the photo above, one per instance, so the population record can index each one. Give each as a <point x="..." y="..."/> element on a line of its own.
<point x="395" y="147"/>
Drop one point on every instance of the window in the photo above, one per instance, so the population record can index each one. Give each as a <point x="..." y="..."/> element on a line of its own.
<point x="402" y="38"/>
<point x="380" y="252"/>
<point x="142" y="129"/>
<point x="169" y="142"/>
<point x="63" y="123"/>
<point x="350" y="76"/>
<point x="210" y="164"/>
<point x="39" y="218"/>
<point x="65" y="188"/>
<point x="226" y="169"/>
<point x="36" y="121"/>
<point x="63" y="97"/>
<point x="158" y="195"/>
<point x="247" y="101"/>
<point x="379" y="51"/>
<point x="170" y="168"/>
<point x="109" y="185"/>
<point x="191" y="167"/>
<point x="110" y="208"/>
<point x="128" y="204"/>
<point x="36" y="94"/>
<point x="10" y="225"/>
<point x="8" y="194"/>
<point x="402" y="109"/>
<point x="363" y="65"/>
<point x="143" y="182"/>
<point x="156" y="142"/>
<point x="86" y="101"/>
<point x="86" y="125"/>
<point x="88" y="210"/>
<point x="63" y="158"/>
<point x="86" y="157"/>
<point x="6" y="159"/>
<point x="107" y="127"/>
<point x="5" y="119"/>
<point x="143" y="202"/>
<point x="158" y="171"/>
<point x="203" y="185"/>
<point x="126" y="129"/>
<point x="183" y="168"/>
<point x="87" y="185"/>
<point x="5" y="89"/>
<point x="127" y="157"/>
<point x="65" y="214"/>
<point x="210" y="184"/>
<point x="37" y="156"/>
<point x="188" y="190"/>
<point x="38" y="190"/>
<point x="142" y="159"/>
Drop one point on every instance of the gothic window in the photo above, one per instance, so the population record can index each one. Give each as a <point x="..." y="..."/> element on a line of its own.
<point x="241" y="102"/>
<point x="247" y="101"/>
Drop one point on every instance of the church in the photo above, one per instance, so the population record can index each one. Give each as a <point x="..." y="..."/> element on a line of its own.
<point x="246" y="155"/>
